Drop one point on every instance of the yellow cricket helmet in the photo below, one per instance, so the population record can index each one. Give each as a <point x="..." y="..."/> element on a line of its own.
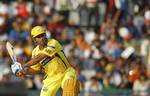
<point x="37" y="30"/>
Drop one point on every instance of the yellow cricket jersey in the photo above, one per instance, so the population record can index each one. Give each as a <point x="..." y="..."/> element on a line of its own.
<point x="56" y="63"/>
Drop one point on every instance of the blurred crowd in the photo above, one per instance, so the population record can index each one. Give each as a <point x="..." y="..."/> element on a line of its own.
<point x="107" y="41"/>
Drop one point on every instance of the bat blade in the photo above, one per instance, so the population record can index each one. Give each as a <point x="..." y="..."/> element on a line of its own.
<point x="11" y="52"/>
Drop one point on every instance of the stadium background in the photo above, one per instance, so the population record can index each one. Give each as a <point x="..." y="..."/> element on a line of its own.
<point x="107" y="41"/>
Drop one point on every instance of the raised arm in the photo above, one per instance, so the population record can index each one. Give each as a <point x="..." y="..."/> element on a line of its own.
<point x="35" y="60"/>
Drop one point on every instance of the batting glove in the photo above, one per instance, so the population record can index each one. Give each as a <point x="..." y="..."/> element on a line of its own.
<point x="16" y="67"/>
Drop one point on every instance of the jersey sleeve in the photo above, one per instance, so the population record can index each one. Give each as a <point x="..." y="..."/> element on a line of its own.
<point x="53" y="47"/>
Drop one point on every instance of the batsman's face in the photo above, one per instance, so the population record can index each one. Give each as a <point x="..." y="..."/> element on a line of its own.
<point x="40" y="40"/>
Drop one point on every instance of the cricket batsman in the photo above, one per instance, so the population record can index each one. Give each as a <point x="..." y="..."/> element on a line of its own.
<point x="48" y="54"/>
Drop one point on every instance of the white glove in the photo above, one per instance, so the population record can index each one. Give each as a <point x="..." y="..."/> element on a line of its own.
<point x="16" y="67"/>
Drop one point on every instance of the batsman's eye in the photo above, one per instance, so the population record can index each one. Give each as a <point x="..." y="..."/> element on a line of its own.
<point x="38" y="39"/>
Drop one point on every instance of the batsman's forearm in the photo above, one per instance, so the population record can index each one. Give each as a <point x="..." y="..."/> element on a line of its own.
<point x="34" y="60"/>
<point x="30" y="63"/>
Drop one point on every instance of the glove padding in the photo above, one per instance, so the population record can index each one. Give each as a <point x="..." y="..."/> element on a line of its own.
<point x="16" y="67"/>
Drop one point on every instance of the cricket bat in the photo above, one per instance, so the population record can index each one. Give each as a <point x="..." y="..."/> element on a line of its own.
<point x="11" y="52"/>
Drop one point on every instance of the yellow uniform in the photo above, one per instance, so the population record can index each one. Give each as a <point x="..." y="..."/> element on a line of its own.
<point x="56" y="66"/>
